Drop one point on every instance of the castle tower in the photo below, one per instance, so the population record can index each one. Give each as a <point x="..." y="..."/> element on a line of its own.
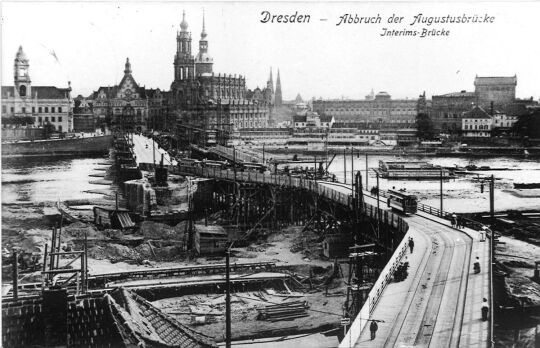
<point x="278" y="101"/>
<point x="21" y="76"/>
<point x="184" y="63"/>
<point x="203" y="61"/>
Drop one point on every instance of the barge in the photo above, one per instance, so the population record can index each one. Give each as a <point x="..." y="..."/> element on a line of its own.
<point x="412" y="170"/>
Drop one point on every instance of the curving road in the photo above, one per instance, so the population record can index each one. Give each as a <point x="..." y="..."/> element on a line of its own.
<point x="438" y="305"/>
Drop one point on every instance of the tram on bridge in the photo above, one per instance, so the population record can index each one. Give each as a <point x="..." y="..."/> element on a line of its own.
<point x="402" y="201"/>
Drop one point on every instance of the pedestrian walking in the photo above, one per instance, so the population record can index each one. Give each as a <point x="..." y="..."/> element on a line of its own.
<point x="458" y="222"/>
<point x="485" y="309"/>
<point x="411" y="244"/>
<point x="373" y="329"/>
<point x="454" y="220"/>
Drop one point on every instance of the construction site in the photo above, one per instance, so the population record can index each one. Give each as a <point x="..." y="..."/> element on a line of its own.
<point x="178" y="257"/>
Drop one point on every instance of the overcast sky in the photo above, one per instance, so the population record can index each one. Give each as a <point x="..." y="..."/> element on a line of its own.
<point x="317" y="59"/>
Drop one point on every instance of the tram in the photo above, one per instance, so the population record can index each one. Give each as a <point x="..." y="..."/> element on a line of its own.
<point x="402" y="202"/>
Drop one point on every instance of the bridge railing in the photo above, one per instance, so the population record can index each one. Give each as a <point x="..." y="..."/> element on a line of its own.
<point x="345" y="199"/>
<point x="374" y="296"/>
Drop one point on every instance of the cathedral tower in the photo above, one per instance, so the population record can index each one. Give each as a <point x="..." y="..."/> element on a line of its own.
<point x="184" y="63"/>
<point x="278" y="98"/>
<point x="22" y="77"/>
<point x="203" y="62"/>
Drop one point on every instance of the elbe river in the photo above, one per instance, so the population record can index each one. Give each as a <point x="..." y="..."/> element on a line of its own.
<point x="43" y="179"/>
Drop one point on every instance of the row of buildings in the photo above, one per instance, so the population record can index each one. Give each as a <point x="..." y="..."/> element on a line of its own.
<point x="208" y="107"/>
<point x="199" y="104"/>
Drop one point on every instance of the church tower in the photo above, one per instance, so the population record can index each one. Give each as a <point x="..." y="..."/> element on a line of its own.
<point x="278" y="99"/>
<point x="184" y="63"/>
<point x="203" y="62"/>
<point x="22" y="77"/>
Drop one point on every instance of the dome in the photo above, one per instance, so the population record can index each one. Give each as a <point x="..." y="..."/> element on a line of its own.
<point x="382" y="95"/>
<point x="184" y="24"/>
<point x="203" y="57"/>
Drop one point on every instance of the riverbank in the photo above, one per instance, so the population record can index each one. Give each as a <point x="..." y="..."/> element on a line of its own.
<point x="480" y="151"/>
<point x="517" y="295"/>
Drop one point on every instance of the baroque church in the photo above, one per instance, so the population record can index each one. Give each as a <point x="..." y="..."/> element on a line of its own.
<point x="210" y="106"/>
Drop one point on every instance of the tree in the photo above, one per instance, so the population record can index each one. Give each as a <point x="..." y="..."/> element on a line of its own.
<point x="425" y="127"/>
<point x="528" y="125"/>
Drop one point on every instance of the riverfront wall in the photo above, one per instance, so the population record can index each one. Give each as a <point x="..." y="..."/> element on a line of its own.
<point x="77" y="146"/>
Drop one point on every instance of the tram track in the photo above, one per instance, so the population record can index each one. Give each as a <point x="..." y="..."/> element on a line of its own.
<point x="425" y="317"/>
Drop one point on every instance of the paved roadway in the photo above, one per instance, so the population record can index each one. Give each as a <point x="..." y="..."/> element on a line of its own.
<point x="143" y="150"/>
<point x="438" y="305"/>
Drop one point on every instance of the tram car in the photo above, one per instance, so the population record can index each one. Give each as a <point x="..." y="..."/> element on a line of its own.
<point x="402" y="201"/>
<point x="215" y="164"/>
<point x="254" y="167"/>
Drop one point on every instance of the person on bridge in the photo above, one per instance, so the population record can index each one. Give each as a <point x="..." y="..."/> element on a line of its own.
<point x="411" y="244"/>
<point x="373" y="327"/>
<point x="485" y="309"/>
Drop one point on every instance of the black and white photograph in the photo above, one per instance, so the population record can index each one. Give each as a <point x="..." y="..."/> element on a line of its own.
<point x="270" y="174"/>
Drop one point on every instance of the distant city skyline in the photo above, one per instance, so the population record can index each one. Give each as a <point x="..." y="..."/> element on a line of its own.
<point x="87" y="44"/>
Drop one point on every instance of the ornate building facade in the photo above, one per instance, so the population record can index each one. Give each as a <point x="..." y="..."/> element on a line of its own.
<point x="374" y="112"/>
<point x="206" y="102"/>
<point x="35" y="106"/>
<point x="127" y="105"/>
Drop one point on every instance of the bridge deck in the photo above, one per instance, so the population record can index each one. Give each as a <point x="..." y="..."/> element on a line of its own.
<point x="146" y="152"/>
<point x="438" y="305"/>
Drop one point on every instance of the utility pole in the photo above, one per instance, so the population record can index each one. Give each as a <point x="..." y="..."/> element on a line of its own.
<point x="345" y="166"/>
<point x="441" y="193"/>
<point x="352" y="170"/>
<point x="263" y="154"/>
<point x="227" y="299"/>
<point x="492" y="198"/>
<point x="234" y="164"/>
<point x="378" y="207"/>
<point x="367" y="172"/>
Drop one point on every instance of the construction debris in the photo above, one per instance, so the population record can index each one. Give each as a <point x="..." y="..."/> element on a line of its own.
<point x="284" y="311"/>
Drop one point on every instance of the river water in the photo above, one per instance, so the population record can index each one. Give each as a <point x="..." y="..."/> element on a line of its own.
<point x="50" y="179"/>
<point x="42" y="179"/>
<point x="462" y="194"/>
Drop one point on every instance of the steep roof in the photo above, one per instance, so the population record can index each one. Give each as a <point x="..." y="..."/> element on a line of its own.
<point x="141" y="322"/>
<point x="476" y="112"/>
<point x="42" y="92"/>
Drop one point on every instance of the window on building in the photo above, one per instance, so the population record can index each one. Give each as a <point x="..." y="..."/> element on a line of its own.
<point x="46" y="109"/>
<point x="59" y="118"/>
<point x="40" y="119"/>
<point x="4" y="109"/>
<point x="53" y="119"/>
<point x="12" y="109"/>
<point x="52" y="109"/>
<point x="40" y="110"/>
<point x="60" y="128"/>
<point x="33" y="109"/>
<point x="46" y="119"/>
<point x="59" y="109"/>
<point x="23" y="110"/>
<point x="22" y="91"/>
